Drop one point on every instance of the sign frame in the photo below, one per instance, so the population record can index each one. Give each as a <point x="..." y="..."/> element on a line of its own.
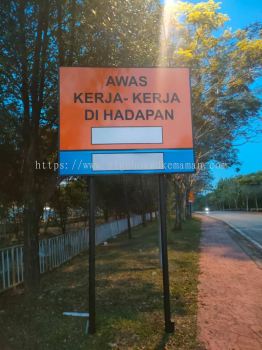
<point x="169" y="324"/>
<point x="166" y="151"/>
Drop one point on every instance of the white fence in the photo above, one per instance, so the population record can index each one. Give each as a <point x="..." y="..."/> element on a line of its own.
<point x="57" y="250"/>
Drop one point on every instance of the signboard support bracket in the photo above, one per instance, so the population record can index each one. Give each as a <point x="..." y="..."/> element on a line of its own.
<point x="169" y="325"/>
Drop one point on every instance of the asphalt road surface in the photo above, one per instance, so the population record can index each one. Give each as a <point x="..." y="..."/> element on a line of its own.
<point x="247" y="224"/>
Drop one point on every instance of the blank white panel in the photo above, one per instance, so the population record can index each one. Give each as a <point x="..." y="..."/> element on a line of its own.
<point x="128" y="161"/>
<point x="127" y="135"/>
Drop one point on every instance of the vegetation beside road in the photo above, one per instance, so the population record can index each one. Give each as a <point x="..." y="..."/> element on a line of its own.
<point x="129" y="298"/>
<point x="224" y="64"/>
<point x="243" y="192"/>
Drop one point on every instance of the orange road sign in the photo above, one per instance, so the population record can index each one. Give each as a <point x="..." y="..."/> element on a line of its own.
<point x="191" y="197"/>
<point x="108" y="108"/>
<point x="137" y="115"/>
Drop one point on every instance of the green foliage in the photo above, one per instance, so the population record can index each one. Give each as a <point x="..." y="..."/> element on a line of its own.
<point x="124" y="33"/>
<point x="120" y="33"/>
<point x="223" y="65"/>
<point x="38" y="36"/>
<point x="70" y="198"/>
<point x="118" y="195"/>
<point x="240" y="192"/>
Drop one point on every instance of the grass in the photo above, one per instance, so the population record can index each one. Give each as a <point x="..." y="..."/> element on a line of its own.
<point x="129" y="298"/>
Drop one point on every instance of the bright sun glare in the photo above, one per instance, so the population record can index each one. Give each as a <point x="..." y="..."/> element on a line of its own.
<point x="165" y="29"/>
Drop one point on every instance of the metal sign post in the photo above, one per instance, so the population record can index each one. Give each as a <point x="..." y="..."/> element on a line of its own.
<point x="169" y="325"/>
<point x="92" y="250"/>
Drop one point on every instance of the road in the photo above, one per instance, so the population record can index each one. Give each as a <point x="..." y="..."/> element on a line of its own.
<point x="247" y="224"/>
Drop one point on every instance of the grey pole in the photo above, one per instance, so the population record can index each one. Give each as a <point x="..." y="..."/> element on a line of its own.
<point x="169" y="325"/>
<point x="92" y="245"/>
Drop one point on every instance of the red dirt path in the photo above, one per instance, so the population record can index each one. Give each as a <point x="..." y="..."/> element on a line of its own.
<point x="230" y="292"/>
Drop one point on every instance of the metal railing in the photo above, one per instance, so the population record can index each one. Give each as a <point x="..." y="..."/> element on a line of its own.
<point x="55" y="251"/>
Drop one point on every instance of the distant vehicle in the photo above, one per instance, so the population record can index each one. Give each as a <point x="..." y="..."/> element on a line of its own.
<point x="206" y="209"/>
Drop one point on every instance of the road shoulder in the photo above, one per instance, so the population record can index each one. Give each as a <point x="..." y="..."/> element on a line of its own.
<point x="230" y="285"/>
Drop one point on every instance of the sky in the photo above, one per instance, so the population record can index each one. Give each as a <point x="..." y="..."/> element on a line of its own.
<point x="242" y="13"/>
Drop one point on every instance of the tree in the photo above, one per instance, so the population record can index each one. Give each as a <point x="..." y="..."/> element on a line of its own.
<point x="69" y="197"/>
<point x="240" y="192"/>
<point x="223" y="66"/>
<point x="36" y="36"/>
<point x="251" y="188"/>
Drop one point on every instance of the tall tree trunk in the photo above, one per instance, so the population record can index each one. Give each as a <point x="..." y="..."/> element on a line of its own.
<point x="256" y="203"/>
<point x="32" y="213"/>
<point x="184" y="206"/>
<point x="178" y="207"/>
<point x="151" y="216"/>
<point x="31" y="186"/>
<point x="127" y="211"/>
<point x="106" y="214"/>
<point x="129" y="231"/>
<point x="143" y="200"/>
<point x="60" y="41"/>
